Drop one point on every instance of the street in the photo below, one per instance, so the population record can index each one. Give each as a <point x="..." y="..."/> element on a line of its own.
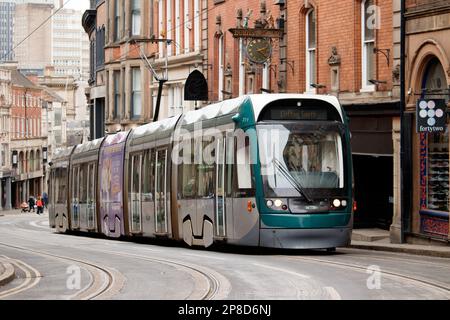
<point x="61" y="267"/>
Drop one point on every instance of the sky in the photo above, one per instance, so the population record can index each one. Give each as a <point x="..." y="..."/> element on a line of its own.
<point x="78" y="4"/>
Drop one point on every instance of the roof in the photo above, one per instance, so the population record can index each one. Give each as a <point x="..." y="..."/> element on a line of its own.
<point x="54" y="96"/>
<point x="19" y="79"/>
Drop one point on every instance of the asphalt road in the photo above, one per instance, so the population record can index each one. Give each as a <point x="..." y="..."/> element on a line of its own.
<point x="61" y="267"/>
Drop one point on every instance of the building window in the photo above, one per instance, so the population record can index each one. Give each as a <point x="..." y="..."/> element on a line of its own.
<point x="368" y="44"/>
<point x="136" y="99"/>
<point x="175" y="100"/>
<point x="58" y="117"/>
<point x="116" y="79"/>
<point x="136" y="17"/>
<point x="116" y="20"/>
<point x="220" y="68"/>
<point x="310" y="50"/>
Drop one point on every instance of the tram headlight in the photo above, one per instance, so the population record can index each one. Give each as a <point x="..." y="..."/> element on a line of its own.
<point x="337" y="203"/>
<point x="344" y="203"/>
<point x="278" y="203"/>
<point x="269" y="203"/>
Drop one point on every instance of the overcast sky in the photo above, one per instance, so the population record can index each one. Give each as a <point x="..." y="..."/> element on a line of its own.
<point x="78" y="4"/>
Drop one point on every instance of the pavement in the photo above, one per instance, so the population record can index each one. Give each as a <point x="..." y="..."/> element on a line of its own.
<point x="7" y="273"/>
<point x="378" y="240"/>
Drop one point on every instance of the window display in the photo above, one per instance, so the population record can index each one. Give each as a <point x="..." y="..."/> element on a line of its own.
<point x="438" y="181"/>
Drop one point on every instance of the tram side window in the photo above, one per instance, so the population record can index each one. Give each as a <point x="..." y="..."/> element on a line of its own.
<point x="148" y="177"/>
<point x="55" y="187"/>
<point x="91" y="184"/>
<point x="75" y="184"/>
<point x="206" y="175"/>
<point x="136" y="176"/>
<point x="187" y="172"/>
<point x="243" y="169"/>
<point x="83" y="184"/>
<point x="62" y="188"/>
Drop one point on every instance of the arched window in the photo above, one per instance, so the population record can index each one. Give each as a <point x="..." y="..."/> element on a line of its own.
<point x="31" y="161"/>
<point x="38" y="161"/>
<point x="433" y="83"/>
<point x="311" y="44"/>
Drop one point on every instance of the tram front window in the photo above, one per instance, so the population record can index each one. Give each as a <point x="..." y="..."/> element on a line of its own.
<point x="302" y="160"/>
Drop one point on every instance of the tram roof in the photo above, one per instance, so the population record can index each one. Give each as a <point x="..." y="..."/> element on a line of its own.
<point x="88" y="146"/>
<point x="213" y="111"/>
<point x="154" y="127"/>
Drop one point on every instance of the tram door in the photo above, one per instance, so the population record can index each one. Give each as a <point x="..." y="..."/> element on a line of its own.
<point x="220" y="229"/>
<point x="161" y="191"/>
<point x="91" y="197"/>
<point x="75" y="214"/>
<point x="135" y="194"/>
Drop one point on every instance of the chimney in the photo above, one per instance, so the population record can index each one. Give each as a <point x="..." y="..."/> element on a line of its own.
<point x="49" y="71"/>
<point x="33" y="78"/>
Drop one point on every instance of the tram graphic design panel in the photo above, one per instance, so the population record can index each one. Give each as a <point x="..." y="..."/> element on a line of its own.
<point x="111" y="181"/>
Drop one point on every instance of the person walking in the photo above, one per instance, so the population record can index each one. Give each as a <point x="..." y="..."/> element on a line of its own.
<point x="45" y="199"/>
<point x="40" y="206"/>
<point x="31" y="204"/>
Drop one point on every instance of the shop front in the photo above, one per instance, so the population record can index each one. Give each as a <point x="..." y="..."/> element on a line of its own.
<point x="432" y="145"/>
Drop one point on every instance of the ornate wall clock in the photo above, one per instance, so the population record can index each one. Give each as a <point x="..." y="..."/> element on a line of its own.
<point x="259" y="50"/>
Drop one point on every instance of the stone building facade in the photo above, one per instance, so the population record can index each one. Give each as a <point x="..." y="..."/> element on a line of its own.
<point x="428" y="79"/>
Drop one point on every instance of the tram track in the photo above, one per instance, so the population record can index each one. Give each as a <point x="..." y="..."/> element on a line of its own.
<point x="208" y="283"/>
<point x="443" y="289"/>
<point x="105" y="282"/>
<point x="31" y="278"/>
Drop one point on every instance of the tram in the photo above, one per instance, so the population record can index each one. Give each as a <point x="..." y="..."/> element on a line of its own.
<point x="271" y="170"/>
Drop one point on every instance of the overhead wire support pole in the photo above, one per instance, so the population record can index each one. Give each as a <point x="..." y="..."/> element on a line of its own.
<point x="162" y="80"/>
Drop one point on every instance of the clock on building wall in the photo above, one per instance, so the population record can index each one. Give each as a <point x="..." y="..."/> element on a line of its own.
<point x="259" y="50"/>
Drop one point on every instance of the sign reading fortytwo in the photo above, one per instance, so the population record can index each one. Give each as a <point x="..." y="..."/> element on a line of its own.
<point x="431" y="115"/>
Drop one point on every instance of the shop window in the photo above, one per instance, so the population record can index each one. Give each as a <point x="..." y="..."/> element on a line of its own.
<point x="438" y="172"/>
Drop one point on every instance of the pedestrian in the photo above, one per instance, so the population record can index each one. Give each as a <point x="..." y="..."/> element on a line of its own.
<point x="31" y="204"/>
<point x="45" y="198"/>
<point x="40" y="206"/>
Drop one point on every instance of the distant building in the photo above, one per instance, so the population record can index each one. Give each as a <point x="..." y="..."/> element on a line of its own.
<point x="33" y="53"/>
<point x="70" y="47"/>
<point x="76" y="111"/>
<point x="7" y="9"/>
<point x="5" y="138"/>
<point x="28" y="141"/>
<point x="94" y="23"/>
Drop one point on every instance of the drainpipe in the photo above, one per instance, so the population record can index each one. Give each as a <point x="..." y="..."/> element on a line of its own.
<point x="405" y="137"/>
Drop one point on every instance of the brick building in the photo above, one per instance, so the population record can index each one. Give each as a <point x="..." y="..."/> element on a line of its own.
<point x="27" y="139"/>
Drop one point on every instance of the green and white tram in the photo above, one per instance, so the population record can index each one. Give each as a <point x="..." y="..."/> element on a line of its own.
<point x="260" y="170"/>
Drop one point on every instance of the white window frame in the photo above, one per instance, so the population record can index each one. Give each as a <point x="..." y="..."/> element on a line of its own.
<point x="197" y="25"/>
<point x="161" y="27"/>
<point x="187" y="27"/>
<point x="169" y="26"/>
<point x="221" y="71"/>
<point x="310" y="89"/>
<point x="177" y="27"/>
<point x="136" y="19"/>
<point x="364" y="52"/>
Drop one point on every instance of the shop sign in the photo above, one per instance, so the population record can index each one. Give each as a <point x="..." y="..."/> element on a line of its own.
<point x="431" y="116"/>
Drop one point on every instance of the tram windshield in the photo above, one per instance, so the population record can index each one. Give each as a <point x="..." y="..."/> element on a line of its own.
<point x="302" y="160"/>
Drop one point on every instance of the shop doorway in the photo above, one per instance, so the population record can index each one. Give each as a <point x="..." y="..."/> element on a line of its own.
<point x="373" y="191"/>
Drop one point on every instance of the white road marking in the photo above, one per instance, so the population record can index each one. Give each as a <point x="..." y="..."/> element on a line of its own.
<point x="282" y="270"/>
<point x="334" y="295"/>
